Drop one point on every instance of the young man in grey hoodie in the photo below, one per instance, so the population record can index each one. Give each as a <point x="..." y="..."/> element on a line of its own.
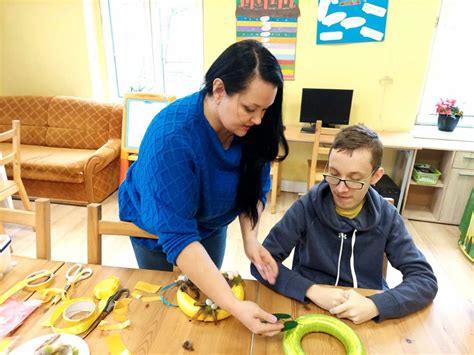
<point x="340" y="231"/>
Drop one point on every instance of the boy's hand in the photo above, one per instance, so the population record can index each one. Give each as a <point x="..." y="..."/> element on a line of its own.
<point x="262" y="259"/>
<point x="326" y="297"/>
<point x="357" y="308"/>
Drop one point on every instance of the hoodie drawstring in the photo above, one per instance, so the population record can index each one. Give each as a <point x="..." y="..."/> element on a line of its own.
<point x="342" y="236"/>
<point x="354" y="276"/>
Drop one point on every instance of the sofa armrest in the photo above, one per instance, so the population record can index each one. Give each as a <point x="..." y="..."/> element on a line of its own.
<point x="103" y="156"/>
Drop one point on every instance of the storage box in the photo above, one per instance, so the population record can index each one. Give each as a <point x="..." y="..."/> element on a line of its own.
<point x="425" y="174"/>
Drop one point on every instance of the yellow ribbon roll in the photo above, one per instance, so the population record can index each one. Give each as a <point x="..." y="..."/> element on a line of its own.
<point x="78" y="315"/>
<point x="29" y="285"/>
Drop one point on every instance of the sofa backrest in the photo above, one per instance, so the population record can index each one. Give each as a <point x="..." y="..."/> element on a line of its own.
<point x="61" y="121"/>
<point x="82" y="123"/>
<point x="32" y="111"/>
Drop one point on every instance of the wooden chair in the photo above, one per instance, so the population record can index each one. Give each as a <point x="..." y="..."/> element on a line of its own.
<point x="11" y="187"/>
<point x="323" y="138"/>
<point x="40" y="220"/>
<point x="96" y="227"/>
<point x="275" y="173"/>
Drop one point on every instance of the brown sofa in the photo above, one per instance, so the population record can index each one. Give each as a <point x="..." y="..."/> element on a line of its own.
<point x="70" y="147"/>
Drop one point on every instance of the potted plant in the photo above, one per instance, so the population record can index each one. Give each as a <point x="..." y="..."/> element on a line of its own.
<point x="448" y="115"/>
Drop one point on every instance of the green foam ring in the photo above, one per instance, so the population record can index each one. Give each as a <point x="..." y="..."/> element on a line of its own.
<point x="321" y="323"/>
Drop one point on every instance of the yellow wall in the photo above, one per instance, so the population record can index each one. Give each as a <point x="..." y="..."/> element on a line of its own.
<point x="402" y="57"/>
<point x="45" y="53"/>
<point x="45" y="49"/>
<point x="1" y="46"/>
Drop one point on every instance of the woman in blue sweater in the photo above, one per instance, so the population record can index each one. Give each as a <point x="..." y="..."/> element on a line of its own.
<point x="340" y="231"/>
<point x="204" y="160"/>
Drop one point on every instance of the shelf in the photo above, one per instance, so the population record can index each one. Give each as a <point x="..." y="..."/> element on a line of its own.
<point x="419" y="213"/>
<point x="438" y="184"/>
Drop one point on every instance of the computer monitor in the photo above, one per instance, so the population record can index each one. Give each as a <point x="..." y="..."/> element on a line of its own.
<point x="331" y="106"/>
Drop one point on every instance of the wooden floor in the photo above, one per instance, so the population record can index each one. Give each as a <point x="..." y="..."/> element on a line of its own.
<point x="437" y="241"/>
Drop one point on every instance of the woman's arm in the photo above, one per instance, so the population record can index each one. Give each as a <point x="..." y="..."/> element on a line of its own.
<point x="257" y="254"/>
<point x="199" y="267"/>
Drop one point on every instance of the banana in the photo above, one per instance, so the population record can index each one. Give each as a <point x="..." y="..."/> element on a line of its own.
<point x="186" y="304"/>
<point x="325" y="324"/>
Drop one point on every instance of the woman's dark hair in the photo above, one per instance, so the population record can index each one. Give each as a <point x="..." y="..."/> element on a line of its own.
<point x="237" y="66"/>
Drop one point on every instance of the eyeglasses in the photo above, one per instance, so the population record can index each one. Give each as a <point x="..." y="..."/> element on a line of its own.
<point x="350" y="184"/>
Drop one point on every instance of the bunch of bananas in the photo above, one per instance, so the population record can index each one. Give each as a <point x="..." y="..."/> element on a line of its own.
<point x="206" y="311"/>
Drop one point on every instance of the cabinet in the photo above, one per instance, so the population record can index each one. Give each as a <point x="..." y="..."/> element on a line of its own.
<point x="445" y="201"/>
<point x="461" y="182"/>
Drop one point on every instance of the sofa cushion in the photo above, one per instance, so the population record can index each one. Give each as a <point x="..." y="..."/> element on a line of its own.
<point x="32" y="111"/>
<point x="50" y="163"/>
<point x="81" y="123"/>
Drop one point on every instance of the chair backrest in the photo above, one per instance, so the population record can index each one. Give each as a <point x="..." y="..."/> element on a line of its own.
<point x="323" y="138"/>
<point x="96" y="227"/>
<point x="40" y="220"/>
<point x="13" y="156"/>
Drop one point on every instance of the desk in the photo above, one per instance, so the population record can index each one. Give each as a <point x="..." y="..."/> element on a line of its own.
<point x="401" y="141"/>
<point x="441" y="328"/>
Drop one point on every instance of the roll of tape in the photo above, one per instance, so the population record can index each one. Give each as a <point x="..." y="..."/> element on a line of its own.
<point x="79" y="311"/>
<point x="36" y="281"/>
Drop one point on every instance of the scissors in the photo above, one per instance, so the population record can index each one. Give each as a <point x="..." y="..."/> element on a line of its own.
<point x="74" y="274"/>
<point x="108" y="308"/>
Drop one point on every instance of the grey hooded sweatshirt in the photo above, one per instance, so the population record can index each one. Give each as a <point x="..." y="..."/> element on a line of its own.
<point x="335" y="250"/>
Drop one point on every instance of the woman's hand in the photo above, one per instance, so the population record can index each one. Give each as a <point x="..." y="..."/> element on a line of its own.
<point x="256" y="319"/>
<point x="262" y="259"/>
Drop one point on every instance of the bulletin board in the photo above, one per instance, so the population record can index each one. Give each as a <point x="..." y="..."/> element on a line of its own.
<point x="139" y="109"/>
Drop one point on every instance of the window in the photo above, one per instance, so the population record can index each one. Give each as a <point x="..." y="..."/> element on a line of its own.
<point x="153" y="45"/>
<point x="451" y="72"/>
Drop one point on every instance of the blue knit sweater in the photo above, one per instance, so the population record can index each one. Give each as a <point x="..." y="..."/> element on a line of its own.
<point x="325" y="243"/>
<point x="184" y="184"/>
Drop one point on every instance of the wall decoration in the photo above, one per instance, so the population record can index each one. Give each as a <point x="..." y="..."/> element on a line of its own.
<point x="350" y="21"/>
<point x="273" y="23"/>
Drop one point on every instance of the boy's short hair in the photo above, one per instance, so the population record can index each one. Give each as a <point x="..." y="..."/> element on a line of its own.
<point x="357" y="137"/>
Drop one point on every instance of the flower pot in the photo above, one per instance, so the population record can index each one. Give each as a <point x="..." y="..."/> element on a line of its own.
<point x="447" y="123"/>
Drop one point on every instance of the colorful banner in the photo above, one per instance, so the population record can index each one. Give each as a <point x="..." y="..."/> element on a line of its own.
<point x="350" y="21"/>
<point x="273" y="23"/>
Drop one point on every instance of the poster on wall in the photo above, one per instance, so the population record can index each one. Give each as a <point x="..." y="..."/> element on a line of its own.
<point x="351" y="21"/>
<point x="273" y="23"/>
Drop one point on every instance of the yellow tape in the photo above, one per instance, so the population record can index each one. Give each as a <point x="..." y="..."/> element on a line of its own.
<point x="28" y="282"/>
<point x="32" y="286"/>
<point x="137" y="294"/>
<point x="151" y="299"/>
<point x="106" y="288"/>
<point x="120" y="309"/>
<point x="104" y="325"/>
<point x="147" y="287"/>
<point x="48" y="294"/>
<point x="4" y="345"/>
<point x="116" y="345"/>
<point x="66" y="309"/>
<point x="78" y="312"/>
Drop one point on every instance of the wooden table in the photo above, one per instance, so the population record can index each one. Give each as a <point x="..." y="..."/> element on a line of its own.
<point x="441" y="328"/>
